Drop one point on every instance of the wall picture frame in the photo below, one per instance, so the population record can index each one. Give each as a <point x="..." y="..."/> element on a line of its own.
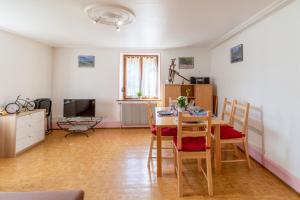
<point x="186" y="62"/>
<point x="237" y="53"/>
<point x="86" y="61"/>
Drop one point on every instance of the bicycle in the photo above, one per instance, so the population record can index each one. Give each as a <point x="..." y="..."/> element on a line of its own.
<point x="20" y="105"/>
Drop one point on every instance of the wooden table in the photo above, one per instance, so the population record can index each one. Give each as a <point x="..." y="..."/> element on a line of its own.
<point x="170" y="121"/>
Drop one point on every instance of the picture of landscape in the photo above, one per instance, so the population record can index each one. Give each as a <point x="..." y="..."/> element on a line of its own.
<point x="86" y="61"/>
<point x="237" y="53"/>
<point x="186" y="63"/>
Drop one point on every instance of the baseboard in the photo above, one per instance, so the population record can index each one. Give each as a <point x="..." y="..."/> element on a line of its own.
<point x="277" y="170"/>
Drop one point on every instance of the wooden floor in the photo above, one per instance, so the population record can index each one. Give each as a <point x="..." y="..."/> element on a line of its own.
<point x="112" y="164"/>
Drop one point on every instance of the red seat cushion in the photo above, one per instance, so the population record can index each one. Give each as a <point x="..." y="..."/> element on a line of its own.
<point x="191" y="144"/>
<point x="222" y="127"/>
<point x="228" y="132"/>
<point x="231" y="133"/>
<point x="165" y="131"/>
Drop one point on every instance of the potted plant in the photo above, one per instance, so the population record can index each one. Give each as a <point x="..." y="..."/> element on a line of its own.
<point x="139" y="94"/>
<point x="182" y="102"/>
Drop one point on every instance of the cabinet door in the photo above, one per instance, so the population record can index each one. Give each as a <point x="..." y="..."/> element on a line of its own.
<point x="172" y="91"/>
<point x="204" y="96"/>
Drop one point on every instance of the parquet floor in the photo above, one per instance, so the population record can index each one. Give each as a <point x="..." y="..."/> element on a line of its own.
<point x="112" y="164"/>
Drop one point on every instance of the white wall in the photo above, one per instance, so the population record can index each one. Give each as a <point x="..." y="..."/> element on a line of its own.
<point x="25" y="68"/>
<point x="269" y="78"/>
<point x="102" y="82"/>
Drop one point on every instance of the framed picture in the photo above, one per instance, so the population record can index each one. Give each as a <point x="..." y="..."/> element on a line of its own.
<point x="86" y="61"/>
<point x="186" y="62"/>
<point x="237" y="53"/>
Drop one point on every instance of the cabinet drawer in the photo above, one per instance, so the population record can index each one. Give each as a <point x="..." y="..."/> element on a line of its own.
<point x="23" y="121"/>
<point x="37" y="137"/>
<point x="30" y="130"/>
<point x="28" y="141"/>
<point x="29" y="125"/>
<point x="37" y="117"/>
<point x="22" y="144"/>
<point x="22" y="127"/>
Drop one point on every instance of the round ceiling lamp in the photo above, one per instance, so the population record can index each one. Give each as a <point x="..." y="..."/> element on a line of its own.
<point x="116" y="16"/>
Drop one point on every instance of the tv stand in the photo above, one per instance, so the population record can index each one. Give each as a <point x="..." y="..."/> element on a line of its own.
<point x="78" y="125"/>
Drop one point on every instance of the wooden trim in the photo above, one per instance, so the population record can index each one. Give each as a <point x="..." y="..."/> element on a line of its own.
<point x="141" y="70"/>
<point x="7" y="135"/>
<point x="124" y="77"/>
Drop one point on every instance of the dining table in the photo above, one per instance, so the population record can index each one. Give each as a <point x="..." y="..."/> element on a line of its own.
<point x="170" y="121"/>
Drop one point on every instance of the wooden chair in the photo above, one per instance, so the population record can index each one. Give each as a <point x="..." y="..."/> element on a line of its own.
<point x="232" y="135"/>
<point x="193" y="142"/>
<point x="172" y="101"/>
<point x="226" y="113"/>
<point x="167" y="134"/>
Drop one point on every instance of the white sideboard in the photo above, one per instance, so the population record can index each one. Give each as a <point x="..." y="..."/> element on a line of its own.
<point x="21" y="131"/>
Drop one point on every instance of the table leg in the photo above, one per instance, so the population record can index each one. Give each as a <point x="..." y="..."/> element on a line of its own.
<point x="158" y="149"/>
<point x="217" y="149"/>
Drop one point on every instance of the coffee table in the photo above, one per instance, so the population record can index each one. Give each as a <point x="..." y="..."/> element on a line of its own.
<point x="78" y="125"/>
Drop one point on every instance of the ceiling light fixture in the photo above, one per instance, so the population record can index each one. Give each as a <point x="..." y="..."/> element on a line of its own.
<point x="119" y="22"/>
<point x="116" y="16"/>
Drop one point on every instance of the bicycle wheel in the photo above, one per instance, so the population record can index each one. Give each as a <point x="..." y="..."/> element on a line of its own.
<point x="30" y="105"/>
<point x="12" y="108"/>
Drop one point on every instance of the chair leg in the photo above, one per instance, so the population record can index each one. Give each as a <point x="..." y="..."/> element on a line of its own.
<point x="150" y="150"/>
<point x="175" y="159"/>
<point x="179" y="175"/>
<point x="236" y="153"/>
<point x="247" y="153"/>
<point x="209" y="174"/>
<point x="199" y="165"/>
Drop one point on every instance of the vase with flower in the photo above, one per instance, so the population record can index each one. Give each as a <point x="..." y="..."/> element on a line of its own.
<point x="182" y="102"/>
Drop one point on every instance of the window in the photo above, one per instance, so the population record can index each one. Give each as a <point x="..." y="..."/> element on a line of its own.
<point x="140" y="74"/>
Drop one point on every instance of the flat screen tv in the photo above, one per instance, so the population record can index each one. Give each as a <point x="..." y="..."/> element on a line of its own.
<point x="79" y="107"/>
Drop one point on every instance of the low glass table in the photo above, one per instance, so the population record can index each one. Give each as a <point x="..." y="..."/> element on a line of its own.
<point x="78" y="125"/>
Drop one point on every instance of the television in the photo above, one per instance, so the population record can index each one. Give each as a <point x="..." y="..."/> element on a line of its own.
<point x="237" y="53"/>
<point x="79" y="107"/>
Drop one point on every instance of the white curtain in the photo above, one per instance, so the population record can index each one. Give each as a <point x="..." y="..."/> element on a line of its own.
<point x="133" y="72"/>
<point x="150" y="76"/>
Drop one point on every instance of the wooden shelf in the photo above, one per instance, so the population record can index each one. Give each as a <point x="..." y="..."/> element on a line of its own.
<point x="202" y="94"/>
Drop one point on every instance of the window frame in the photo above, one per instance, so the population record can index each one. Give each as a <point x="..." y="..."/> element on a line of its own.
<point x="141" y="75"/>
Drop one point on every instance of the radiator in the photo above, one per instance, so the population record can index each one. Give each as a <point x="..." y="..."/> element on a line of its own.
<point x="134" y="114"/>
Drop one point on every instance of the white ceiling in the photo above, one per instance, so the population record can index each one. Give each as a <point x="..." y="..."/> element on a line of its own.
<point x="159" y="23"/>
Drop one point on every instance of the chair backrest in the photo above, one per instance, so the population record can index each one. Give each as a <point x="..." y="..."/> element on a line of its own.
<point x="150" y="115"/>
<point x="227" y="111"/>
<point x="194" y="126"/>
<point x="240" y="112"/>
<point x="44" y="103"/>
<point x="172" y="101"/>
